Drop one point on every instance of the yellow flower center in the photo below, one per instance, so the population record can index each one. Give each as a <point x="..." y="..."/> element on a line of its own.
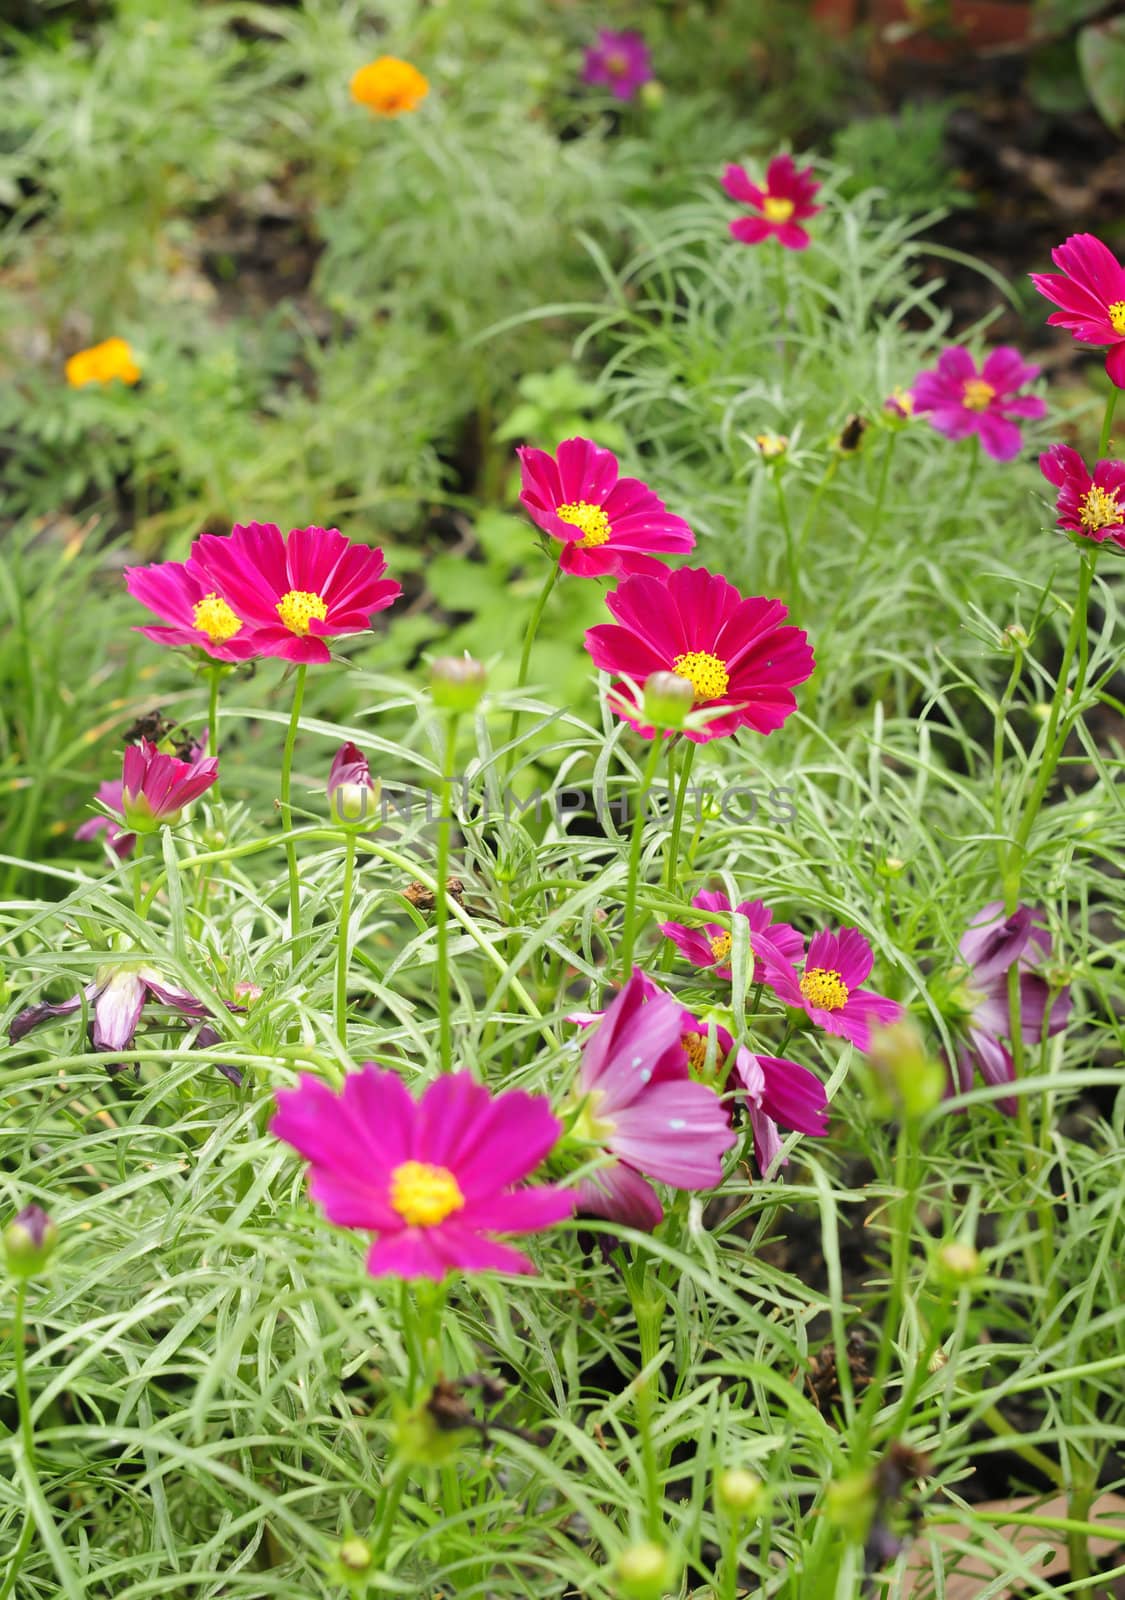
<point x="720" y="946"/>
<point x="297" y="609"/>
<point x="775" y="208"/>
<point x="214" y="617"/>
<point x="977" y="394"/>
<point x="1117" y="316"/>
<point x="1099" y="508"/>
<point x="588" y="1126"/>
<point x="903" y="399"/>
<point x="695" y="1048"/>
<point x="824" y="989"/>
<point x="591" y="519"/>
<point x="707" y="675"/>
<point x="617" y="64"/>
<point x="424" y="1195"/>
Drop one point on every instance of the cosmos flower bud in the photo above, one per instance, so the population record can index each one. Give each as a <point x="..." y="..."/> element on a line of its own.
<point x="646" y="1571"/>
<point x="739" y="1491"/>
<point x="29" y="1242"/>
<point x="850" y="1503"/>
<point x="957" y="1264"/>
<point x="457" y="683"/>
<point x="903" y="1069"/>
<point x="352" y="793"/>
<point x="667" y="699"/>
<point x="1014" y="637"/>
<point x="352" y="1564"/>
<point x="771" y="446"/>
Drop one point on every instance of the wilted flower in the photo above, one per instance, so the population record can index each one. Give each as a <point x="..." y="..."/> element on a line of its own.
<point x="432" y="1179"/>
<point x="710" y="945"/>
<point x="155" y="787"/>
<point x="102" y="363"/>
<point x="605" y="523"/>
<point x="117" y="998"/>
<point x="828" y="989"/>
<point x="618" y="61"/>
<point x="352" y="792"/>
<point x="200" y="618"/>
<point x="295" y="592"/>
<point x="990" y="946"/>
<point x="388" y="86"/>
<point x="636" y="1098"/>
<point x="121" y="842"/>
<point x="959" y="400"/>
<point x="781" y="205"/>
<point x="1092" y="506"/>
<point x="732" y="649"/>
<point x="1089" y="288"/>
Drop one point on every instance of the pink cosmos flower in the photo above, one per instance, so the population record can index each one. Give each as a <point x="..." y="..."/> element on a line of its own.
<point x="1089" y="288"/>
<point x="619" y="61"/>
<point x="119" y="841"/>
<point x="900" y="403"/>
<point x="710" y="945"/>
<point x="432" y="1179"/>
<point x="828" y="990"/>
<point x="960" y="400"/>
<point x="299" y="590"/>
<point x="784" y="203"/>
<point x="200" y="618"/>
<point x="117" y="997"/>
<point x="639" y="1102"/>
<point x="155" y="788"/>
<point x="991" y="945"/>
<point x="606" y="523"/>
<point x="732" y="649"/>
<point x="352" y="793"/>
<point x="1091" y="506"/>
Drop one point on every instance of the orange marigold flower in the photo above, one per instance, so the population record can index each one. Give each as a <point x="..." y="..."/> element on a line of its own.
<point x="389" y="86"/>
<point x="101" y="363"/>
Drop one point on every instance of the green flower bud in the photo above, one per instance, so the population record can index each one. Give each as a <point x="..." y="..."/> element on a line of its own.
<point x="646" y="1571"/>
<point x="850" y="1503"/>
<point x="457" y="683"/>
<point x="957" y="1264"/>
<point x="29" y="1242"/>
<point x="667" y="699"/>
<point x="739" y="1491"/>
<point x="904" y="1070"/>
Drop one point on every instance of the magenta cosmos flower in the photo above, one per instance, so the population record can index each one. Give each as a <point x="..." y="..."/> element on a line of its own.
<point x="155" y="788"/>
<point x="991" y="945"/>
<point x="119" y="841"/>
<point x="710" y="945"/>
<point x="619" y="62"/>
<point x="432" y="1179"/>
<point x="638" y="1101"/>
<point x="605" y="523"/>
<point x="1091" y="506"/>
<point x="1089" y="290"/>
<point x="741" y="662"/>
<point x="828" y="990"/>
<point x="295" y="592"/>
<point x="197" y="614"/>
<point x="781" y="205"/>
<point x="959" y="400"/>
<point x="352" y="792"/>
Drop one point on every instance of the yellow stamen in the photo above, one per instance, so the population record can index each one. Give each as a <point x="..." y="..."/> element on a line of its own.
<point x="1100" y="508"/>
<point x="720" y="946"/>
<point x="424" y="1195"/>
<point x="1117" y="316"/>
<point x="297" y="609"/>
<point x="591" y="519"/>
<point x="695" y="1048"/>
<point x="707" y="675"/>
<point x="214" y="617"/>
<point x="775" y="208"/>
<point x="824" y="989"/>
<point x="977" y="394"/>
<point x="903" y="399"/>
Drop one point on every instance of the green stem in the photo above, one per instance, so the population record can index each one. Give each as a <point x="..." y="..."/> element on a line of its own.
<point x="441" y="902"/>
<point x="525" y="656"/>
<point x="395" y="1489"/>
<point x="792" y="565"/>
<point x="903" y="1216"/>
<point x="287" y="811"/>
<point x="672" y="862"/>
<point x="1003" y="1429"/>
<point x="1107" y="422"/>
<point x="26" y="1429"/>
<point x="342" y="941"/>
<point x="213" y="724"/>
<point x="628" y="937"/>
